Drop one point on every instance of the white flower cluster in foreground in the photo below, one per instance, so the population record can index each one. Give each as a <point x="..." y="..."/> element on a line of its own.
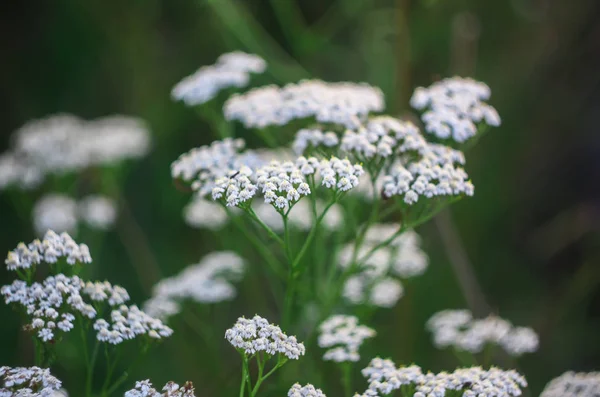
<point x="62" y="213"/>
<point x="377" y="282"/>
<point x="283" y="183"/>
<point x="454" y="106"/>
<point x="231" y="70"/>
<point x="209" y="281"/>
<point x="458" y="328"/>
<point x="571" y="384"/>
<point x="338" y="103"/>
<point x="384" y="378"/>
<point x="171" y="389"/>
<point x="300" y="216"/>
<point x="343" y="336"/>
<point x="257" y="334"/>
<point x="49" y="250"/>
<point x="63" y="143"/>
<point x="27" y="382"/>
<point x="129" y="322"/>
<point x="205" y="164"/>
<point x="305" y="391"/>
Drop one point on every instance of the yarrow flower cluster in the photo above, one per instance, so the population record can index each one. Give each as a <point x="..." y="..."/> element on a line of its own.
<point x="129" y="322"/>
<point x="62" y="213"/>
<point x="63" y="143"/>
<point x="257" y="334"/>
<point x="379" y="266"/>
<point x="282" y="184"/>
<point x="300" y="216"/>
<point x="49" y="250"/>
<point x="434" y="175"/>
<point x="338" y="103"/>
<point x="171" y="389"/>
<point x="313" y="138"/>
<point x="231" y="70"/>
<point x="305" y="391"/>
<point x="458" y="328"/>
<point x="204" y="214"/>
<point x="571" y="384"/>
<point x="209" y="281"/>
<point x="206" y="164"/>
<point x="27" y="382"/>
<point x="454" y="107"/>
<point x="384" y="377"/>
<point x="343" y="336"/>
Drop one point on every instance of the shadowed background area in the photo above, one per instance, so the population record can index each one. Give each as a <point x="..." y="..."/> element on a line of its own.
<point x="525" y="246"/>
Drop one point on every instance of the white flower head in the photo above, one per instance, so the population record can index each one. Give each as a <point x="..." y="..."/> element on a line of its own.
<point x="236" y="188"/>
<point x="129" y="322"/>
<point x="52" y="248"/>
<point x="231" y="70"/>
<point x="55" y="212"/>
<point x="257" y="334"/>
<point x="171" y="389"/>
<point x="571" y="384"/>
<point x="337" y="103"/>
<point x="28" y="382"/>
<point x="305" y="391"/>
<point x="454" y="107"/>
<point x="97" y="211"/>
<point x="458" y="328"/>
<point x="343" y="336"/>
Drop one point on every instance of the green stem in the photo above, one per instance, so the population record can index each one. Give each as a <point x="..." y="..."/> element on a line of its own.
<point x="244" y="375"/>
<point x="263" y="378"/>
<point x="347" y="378"/>
<point x="269" y="231"/>
<point x="90" y="370"/>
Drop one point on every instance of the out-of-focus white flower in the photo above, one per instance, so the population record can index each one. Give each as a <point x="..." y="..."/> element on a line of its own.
<point x="257" y="334"/>
<point x="28" y="382"/>
<point x="49" y="250"/>
<point x="458" y="328"/>
<point x="571" y="384"/>
<point x="300" y="216"/>
<point x="209" y="281"/>
<point x="171" y="389"/>
<point x="305" y="391"/>
<point x="338" y="103"/>
<point x="454" y="107"/>
<point x="402" y="256"/>
<point x="204" y="214"/>
<point x="63" y="143"/>
<point x="384" y="378"/>
<point x="313" y="138"/>
<point x="231" y="70"/>
<point x="55" y="212"/>
<point x="98" y="212"/>
<point x="343" y="336"/>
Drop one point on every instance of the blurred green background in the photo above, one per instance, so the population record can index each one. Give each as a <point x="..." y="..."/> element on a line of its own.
<point x="529" y="233"/>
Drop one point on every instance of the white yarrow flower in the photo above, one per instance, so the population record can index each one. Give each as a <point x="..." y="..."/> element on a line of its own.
<point x="28" y="382"/>
<point x="571" y="384"/>
<point x="343" y="336"/>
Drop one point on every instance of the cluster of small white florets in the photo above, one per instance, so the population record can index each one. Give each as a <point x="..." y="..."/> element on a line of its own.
<point x="300" y="216"/>
<point x="103" y="291"/>
<point x="62" y="213"/>
<point x="377" y="282"/>
<point x="49" y="250"/>
<point x="427" y="178"/>
<point x="313" y="138"/>
<point x="205" y="164"/>
<point x="129" y="322"/>
<point x="63" y="143"/>
<point x="257" y="334"/>
<point x="305" y="391"/>
<point x="283" y="183"/>
<point x="458" y="328"/>
<point x="338" y="103"/>
<point x="384" y="378"/>
<point x="27" y="382"/>
<point x="209" y="281"/>
<point x="343" y="336"/>
<point x="231" y="70"/>
<point x="171" y="389"/>
<point x="52" y="304"/>
<point x="571" y="384"/>
<point x="454" y="107"/>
